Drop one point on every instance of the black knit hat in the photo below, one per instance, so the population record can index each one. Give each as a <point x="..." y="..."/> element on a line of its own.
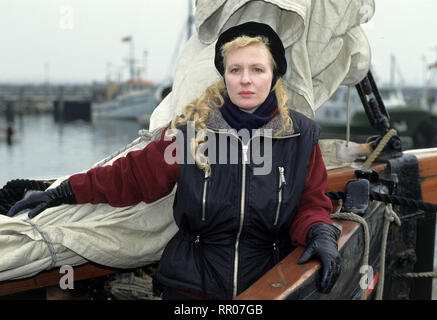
<point x="252" y="29"/>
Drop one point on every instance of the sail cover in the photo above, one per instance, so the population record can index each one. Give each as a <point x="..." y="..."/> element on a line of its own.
<point x="325" y="48"/>
<point x="324" y="41"/>
<point x="72" y="235"/>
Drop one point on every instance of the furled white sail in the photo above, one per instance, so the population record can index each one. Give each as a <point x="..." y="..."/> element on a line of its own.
<point x="325" y="48"/>
<point x="75" y="234"/>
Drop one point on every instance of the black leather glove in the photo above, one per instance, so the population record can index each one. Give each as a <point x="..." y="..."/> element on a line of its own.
<point x="39" y="201"/>
<point x="322" y="243"/>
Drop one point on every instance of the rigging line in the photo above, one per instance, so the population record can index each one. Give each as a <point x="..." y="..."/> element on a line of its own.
<point x="350" y="216"/>
<point x="387" y="198"/>
<point x="176" y="52"/>
<point x="390" y="216"/>
<point x="47" y="241"/>
<point x="372" y="157"/>
<point x="348" y="124"/>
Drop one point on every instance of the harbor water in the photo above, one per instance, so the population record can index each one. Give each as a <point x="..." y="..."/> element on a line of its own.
<point x="43" y="148"/>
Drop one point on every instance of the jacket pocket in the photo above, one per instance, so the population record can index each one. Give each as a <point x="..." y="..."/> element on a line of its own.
<point x="205" y="189"/>
<point x="281" y="184"/>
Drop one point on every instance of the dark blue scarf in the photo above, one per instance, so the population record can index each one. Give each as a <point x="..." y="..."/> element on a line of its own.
<point x="239" y="119"/>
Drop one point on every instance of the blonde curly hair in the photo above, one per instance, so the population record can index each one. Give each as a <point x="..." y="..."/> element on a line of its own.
<point x="198" y="110"/>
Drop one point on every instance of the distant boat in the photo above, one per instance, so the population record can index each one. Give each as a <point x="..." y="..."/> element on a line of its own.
<point x="133" y="104"/>
<point x="134" y="100"/>
<point x="415" y="124"/>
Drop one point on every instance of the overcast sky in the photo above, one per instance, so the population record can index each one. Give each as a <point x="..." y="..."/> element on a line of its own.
<point x="80" y="40"/>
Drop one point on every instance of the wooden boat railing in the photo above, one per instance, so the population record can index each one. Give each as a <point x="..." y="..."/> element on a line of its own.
<point x="279" y="282"/>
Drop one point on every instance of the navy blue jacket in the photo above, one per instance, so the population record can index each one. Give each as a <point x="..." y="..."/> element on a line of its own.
<point x="234" y="222"/>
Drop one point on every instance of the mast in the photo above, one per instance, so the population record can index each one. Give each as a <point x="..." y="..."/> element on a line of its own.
<point x="131" y="57"/>
<point x="132" y="60"/>
<point x="392" y="70"/>
<point x="187" y="28"/>
<point x="429" y="74"/>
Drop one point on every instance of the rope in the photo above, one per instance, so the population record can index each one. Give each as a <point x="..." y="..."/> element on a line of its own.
<point x="387" y="198"/>
<point x="432" y="274"/>
<point x="115" y="154"/>
<point x="404" y="202"/>
<point x="348" y="124"/>
<point x="379" y="148"/>
<point x="143" y="135"/>
<point x="14" y="191"/>
<point x="46" y="240"/>
<point x="137" y="285"/>
<point x="356" y="218"/>
<point x="389" y="217"/>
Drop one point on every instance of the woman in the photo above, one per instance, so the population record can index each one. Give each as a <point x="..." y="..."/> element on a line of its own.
<point x="235" y="220"/>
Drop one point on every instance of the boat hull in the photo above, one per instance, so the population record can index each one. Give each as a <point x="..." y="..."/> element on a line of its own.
<point x="128" y="107"/>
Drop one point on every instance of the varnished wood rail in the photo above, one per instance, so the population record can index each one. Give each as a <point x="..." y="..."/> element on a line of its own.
<point x="287" y="276"/>
<point x="52" y="278"/>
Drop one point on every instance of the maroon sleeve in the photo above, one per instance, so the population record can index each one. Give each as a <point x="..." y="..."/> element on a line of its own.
<point x="315" y="206"/>
<point x="142" y="175"/>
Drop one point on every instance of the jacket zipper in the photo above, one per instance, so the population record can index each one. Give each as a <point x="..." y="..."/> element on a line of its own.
<point x="242" y="205"/>
<point x="205" y="188"/>
<point x="280" y="187"/>
<point x="245" y="148"/>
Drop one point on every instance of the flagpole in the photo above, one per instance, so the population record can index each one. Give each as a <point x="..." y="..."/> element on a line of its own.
<point x="131" y="58"/>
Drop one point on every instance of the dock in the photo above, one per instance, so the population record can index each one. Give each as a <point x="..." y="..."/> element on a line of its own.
<point x="66" y="102"/>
